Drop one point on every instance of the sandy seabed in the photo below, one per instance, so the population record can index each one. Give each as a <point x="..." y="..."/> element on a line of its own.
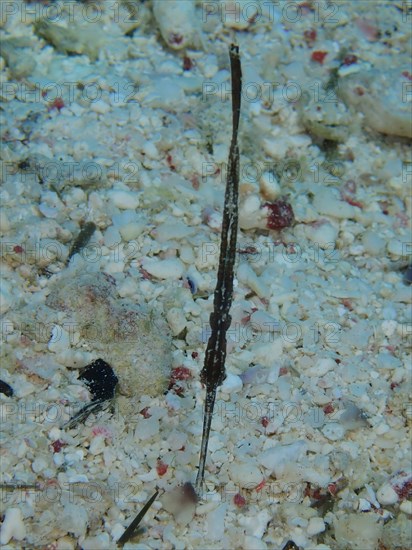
<point x="118" y="114"/>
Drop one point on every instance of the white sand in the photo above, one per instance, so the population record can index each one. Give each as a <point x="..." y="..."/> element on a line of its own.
<point x="128" y="126"/>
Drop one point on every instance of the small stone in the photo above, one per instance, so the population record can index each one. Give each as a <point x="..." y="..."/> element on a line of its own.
<point x="323" y="234"/>
<point x="387" y="495"/>
<point x="97" y="445"/>
<point x="13" y="526"/>
<point x="322" y="367"/>
<point x="406" y="507"/>
<point x="176" y="319"/>
<point x="269" y="186"/>
<point x="172" y="268"/>
<point x="246" y="475"/>
<point x="59" y="341"/>
<point x="328" y="204"/>
<point x="333" y="431"/>
<point x="396" y="247"/>
<point x="278" y="457"/>
<point x="232" y="383"/>
<point x="6" y="297"/>
<point x="100" y="107"/>
<point x="131" y="230"/>
<point x="150" y="150"/>
<point x="373" y="243"/>
<point x="4" y="221"/>
<point x="315" y="526"/>
<point x="125" y="200"/>
<point x="364" y="505"/>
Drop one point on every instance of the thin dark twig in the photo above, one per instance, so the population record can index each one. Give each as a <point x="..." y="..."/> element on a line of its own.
<point x="213" y="372"/>
<point x="135" y="523"/>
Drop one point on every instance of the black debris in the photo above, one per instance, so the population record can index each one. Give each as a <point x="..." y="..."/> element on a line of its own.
<point x="407" y="276"/>
<point x="6" y="389"/>
<point x="100" y="380"/>
<point x="82" y="239"/>
<point x="131" y="530"/>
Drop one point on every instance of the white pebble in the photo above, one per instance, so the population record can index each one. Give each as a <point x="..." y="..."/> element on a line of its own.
<point x="328" y="204"/>
<point x="38" y="465"/>
<point x="176" y="319"/>
<point x="13" y="526"/>
<point x="269" y="186"/>
<point x="387" y="495"/>
<point x="253" y="543"/>
<point x="216" y="522"/>
<point x="364" y="505"/>
<point x="278" y="457"/>
<point x="396" y="247"/>
<point x="389" y="328"/>
<point x="263" y="322"/>
<point x="97" y="445"/>
<point x="251" y="204"/>
<point x="232" y="383"/>
<point x="172" y="230"/>
<point x="6" y="298"/>
<point x="333" y="431"/>
<point x="248" y="277"/>
<point x="406" y="507"/>
<point x="124" y="200"/>
<point x="65" y="543"/>
<point x="111" y="237"/>
<point x="324" y="234"/>
<point x="100" y="107"/>
<point x="77" y="478"/>
<point x="150" y="150"/>
<point x="322" y="367"/>
<point x="59" y="341"/>
<point x="172" y="268"/>
<point x="315" y="526"/>
<point x="132" y="230"/>
<point x="4" y="221"/>
<point x="373" y="243"/>
<point x="100" y="542"/>
<point x="246" y="475"/>
<point x="256" y="524"/>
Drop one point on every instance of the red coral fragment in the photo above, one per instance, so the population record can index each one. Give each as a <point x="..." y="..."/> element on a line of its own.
<point x="265" y="421"/>
<point x="58" y="104"/>
<point x="402" y="484"/>
<point x="145" y="412"/>
<point x="350" y="59"/>
<point x="187" y="63"/>
<point x="58" y="445"/>
<point x="161" y="467"/>
<point x="318" y="56"/>
<point x="328" y="409"/>
<point x="310" y="37"/>
<point x="280" y="214"/>
<point x="238" y="500"/>
<point x="261" y="485"/>
<point x="181" y="373"/>
<point x="169" y="160"/>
